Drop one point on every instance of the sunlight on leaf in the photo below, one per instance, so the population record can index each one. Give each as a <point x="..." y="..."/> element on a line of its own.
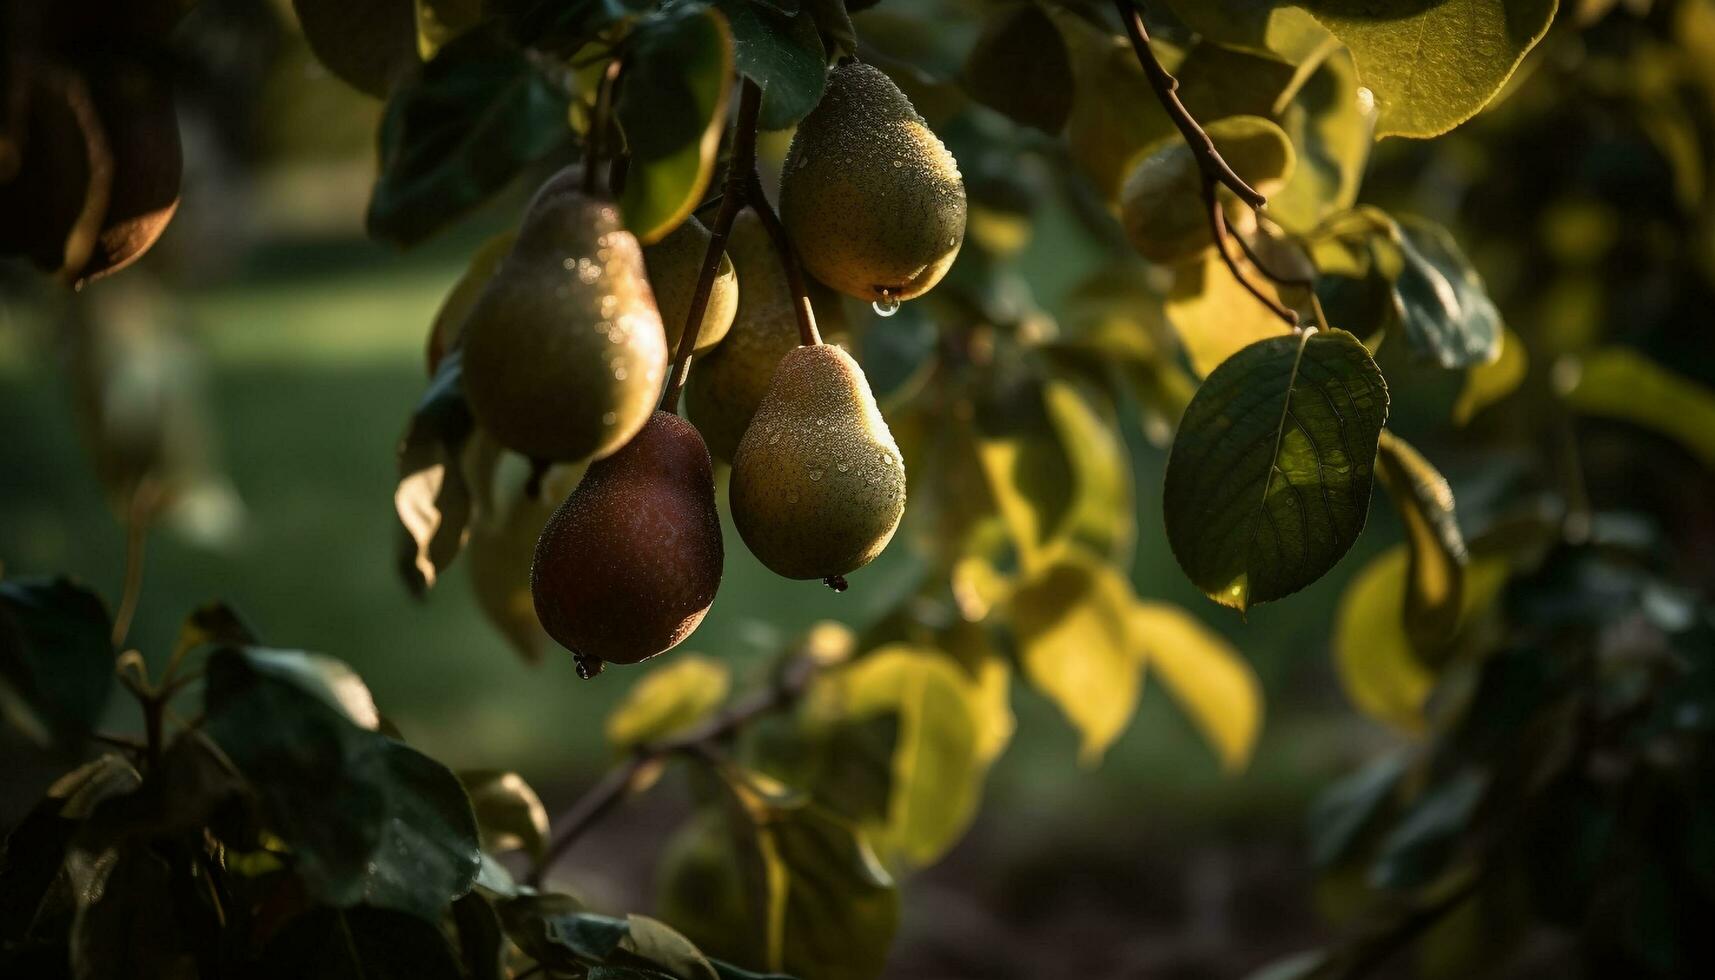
<point x="1208" y="677"/>
<point x="668" y="700"/>
<point x="1622" y="384"/>
<point x="1436" y="572"/>
<point x="1372" y="655"/>
<point x="1488" y="383"/>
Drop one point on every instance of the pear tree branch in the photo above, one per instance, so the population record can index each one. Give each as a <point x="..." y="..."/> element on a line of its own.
<point x="741" y="164"/>
<point x="808" y="335"/>
<point x="788" y="686"/>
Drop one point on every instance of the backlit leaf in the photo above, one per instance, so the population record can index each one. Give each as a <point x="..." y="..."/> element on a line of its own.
<point x="1268" y="482"/>
<point x="1331" y="128"/>
<point x="672" y="108"/>
<point x="1214" y="315"/>
<point x="439" y="21"/>
<point x="56" y="657"/>
<point x="1114" y="111"/>
<point x="1212" y="683"/>
<point x="509" y="814"/>
<point x="1435" y="573"/>
<point x="668" y="700"/>
<point x="1491" y="381"/>
<point x="1445" y="309"/>
<point x="432" y="499"/>
<point x="1373" y="657"/>
<point x="1622" y="384"/>
<point x="782" y="53"/>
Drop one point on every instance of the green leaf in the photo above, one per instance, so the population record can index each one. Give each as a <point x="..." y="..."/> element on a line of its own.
<point x="432" y="500"/>
<point x="35" y="849"/>
<point x="1358" y="260"/>
<point x="564" y="25"/>
<point x="329" y="680"/>
<point x="125" y="925"/>
<point x="1020" y="67"/>
<point x="56" y="657"/>
<point x="1420" y="845"/>
<point x="1265" y="26"/>
<point x="212" y="624"/>
<point x="367" y="818"/>
<point x="1268" y="482"/>
<point x="1214" y="315"/>
<point x="1161" y="204"/>
<point x="672" y="107"/>
<point x="509" y="814"/>
<point x="482" y="942"/>
<point x="1373" y="657"/>
<point x="1344" y="810"/>
<point x="1114" y="111"/>
<point x="1435" y="572"/>
<point x="360" y="944"/>
<point x="1622" y="384"/>
<point x="1434" y="65"/>
<point x="1488" y="383"/>
<point x="1445" y="309"/>
<point x="459" y="132"/>
<point x="668" y="700"/>
<point x="1206" y="675"/>
<point x="782" y="53"/>
<point x="1073" y="622"/>
<point x="1331" y="130"/>
<point x="834" y="21"/>
<point x="368" y="44"/>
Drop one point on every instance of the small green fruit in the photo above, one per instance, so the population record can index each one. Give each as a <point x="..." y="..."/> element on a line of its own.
<point x="675" y="263"/>
<point x="564" y="352"/>
<point x="818" y="485"/>
<point x="871" y="197"/>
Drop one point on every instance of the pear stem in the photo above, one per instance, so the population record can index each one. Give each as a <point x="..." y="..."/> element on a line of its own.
<point x="808" y="335"/>
<point x="600" y="120"/>
<point x="742" y="162"/>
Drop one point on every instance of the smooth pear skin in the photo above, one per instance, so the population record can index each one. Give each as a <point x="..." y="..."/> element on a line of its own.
<point x="674" y="264"/>
<point x="870" y="195"/>
<point x="818" y="485"/>
<point x="629" y="564"/>
<point x="564" y="352"/>
<point x="727" y="385"/>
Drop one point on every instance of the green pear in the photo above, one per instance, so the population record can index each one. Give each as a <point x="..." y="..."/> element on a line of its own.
<point x="726" y="386"/>
<point x="629" y="564"/>
<point x="872" y="199"/>
<point x="675" y="263"/>
<point x="564" y="352"/>
<point x="818" y="485"/>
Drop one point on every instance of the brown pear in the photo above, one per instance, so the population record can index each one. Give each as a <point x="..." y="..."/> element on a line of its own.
<point x="628" y="565"/>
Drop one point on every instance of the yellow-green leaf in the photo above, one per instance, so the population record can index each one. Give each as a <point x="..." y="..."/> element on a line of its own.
<point x="1214" y="315"/>
<point x="1331" y="128"/>
<point x="509" y="814"/>
<point x="439" y="21"/>
<point x="1073" y="624"/>
<point x="1161" y="204"/>
<point x="1622" y="384"/>
<point x="1373" y="657"/>
<point x="1114" y="111"/>
<point x="1206" y="675"/>
<point x="1436" y="567"/>
<point x="1490" y="382"/>
<point x="668" y="700"/>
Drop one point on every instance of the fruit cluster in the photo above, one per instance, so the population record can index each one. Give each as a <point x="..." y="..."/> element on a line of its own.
<point x="90" y="159"/>
<point x="568" y="344"/>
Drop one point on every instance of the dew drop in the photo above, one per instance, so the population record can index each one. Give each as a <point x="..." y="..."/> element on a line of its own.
<point x="899" y="163"/>
<point x="842" y="467"/>
<point x="815" y="475"/>
<point x="610" y="418"/>
<point x="887" y="305"/>
<point x="619" y="373"/>
<point x="774" y="438"/>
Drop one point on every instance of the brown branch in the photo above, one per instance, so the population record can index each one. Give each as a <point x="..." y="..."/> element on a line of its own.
<point x="742" y="161"/>
<point x="808" y="335"/>
<point x="700" y="741"/>
<point x="1166" y="88"/>
<point x="1223" y="237"/>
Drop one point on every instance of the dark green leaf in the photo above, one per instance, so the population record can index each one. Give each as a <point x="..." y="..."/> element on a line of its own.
<point x="482" y="942"/>
<point x="369" y="44"/>
<point x="125" y="926"/>
<point x="673" y="108"/>
<point x="508" y="812"/>
<point x="432" y="500"/>
<point x="1419" y="846"/>
<point x="367" y="818"/>
<point x="35" y="850"/>
<point x="479" y="112"/>
<point x="360" y="944"/>
<point x="1020" y="67"/>
<point x="1345" y="809"/>
<point x="553" y="931"/>
<point x="1444" y="307"/>
<point x="213" y="623"/>
<point x="56" y="656"/>
<point x="1268" y="483"/>
<point x="782" y="53"/>
<point x="189" y="783"/>
<point x="1435" y="576"/>
<point x="833" y="19"/>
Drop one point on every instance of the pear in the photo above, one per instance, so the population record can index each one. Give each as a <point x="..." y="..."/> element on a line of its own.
<point x="51" y="208"/>
<point x="871" y="197"/>
<point x="818" y="485"/>
<point x="628" y="565"/>
<point x="726" y="386"/>
<point x="564" y="352"/>
<point x="675" y="263"/>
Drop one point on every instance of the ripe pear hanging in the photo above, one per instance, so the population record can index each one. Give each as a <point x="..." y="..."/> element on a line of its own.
<point x="873" y="201"/>
<point x="674" y="264"/>
<point x="564" y="350"/>
<point x="726" y="385"/>
<point x="818" y="485"/>
<point x="628" y="565"/>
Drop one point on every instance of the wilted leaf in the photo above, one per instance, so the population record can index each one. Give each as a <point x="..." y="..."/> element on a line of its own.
<point x="673" y="108"/>
<point x="1206" y="675"/>
<point x="1074" y="629"/>
<point x="1435" y="573"/>
<point x="1268" y="483"/>
<point x="478" y="113"/>
<point x="56" y="657"/>
<point x="367" y="818"/>
<point x="781" y="52"/>
<point x="1020" y="68"/>
<point x="368" y="44"/>
<point x="1494" y="380"/>
<point x="432" y="499"/>
<point x="668" y="700"/>
<point x="1622" y="384"/>
<point x="509" y="814"/>
<point x="1434" y="65"/>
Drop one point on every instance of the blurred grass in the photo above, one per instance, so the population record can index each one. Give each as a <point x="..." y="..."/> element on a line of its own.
<point x="314" y="357"/>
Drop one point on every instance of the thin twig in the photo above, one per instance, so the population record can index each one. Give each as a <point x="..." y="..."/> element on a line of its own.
<point x="595" y="144"/>
<point x="743" y="161"/>
<point x="1223" y="236"/>
<point x="700" y="740"/>
<point x="136" y="535"/>
<point x="1166" y="88"/>
<point x="808" y="335"/>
